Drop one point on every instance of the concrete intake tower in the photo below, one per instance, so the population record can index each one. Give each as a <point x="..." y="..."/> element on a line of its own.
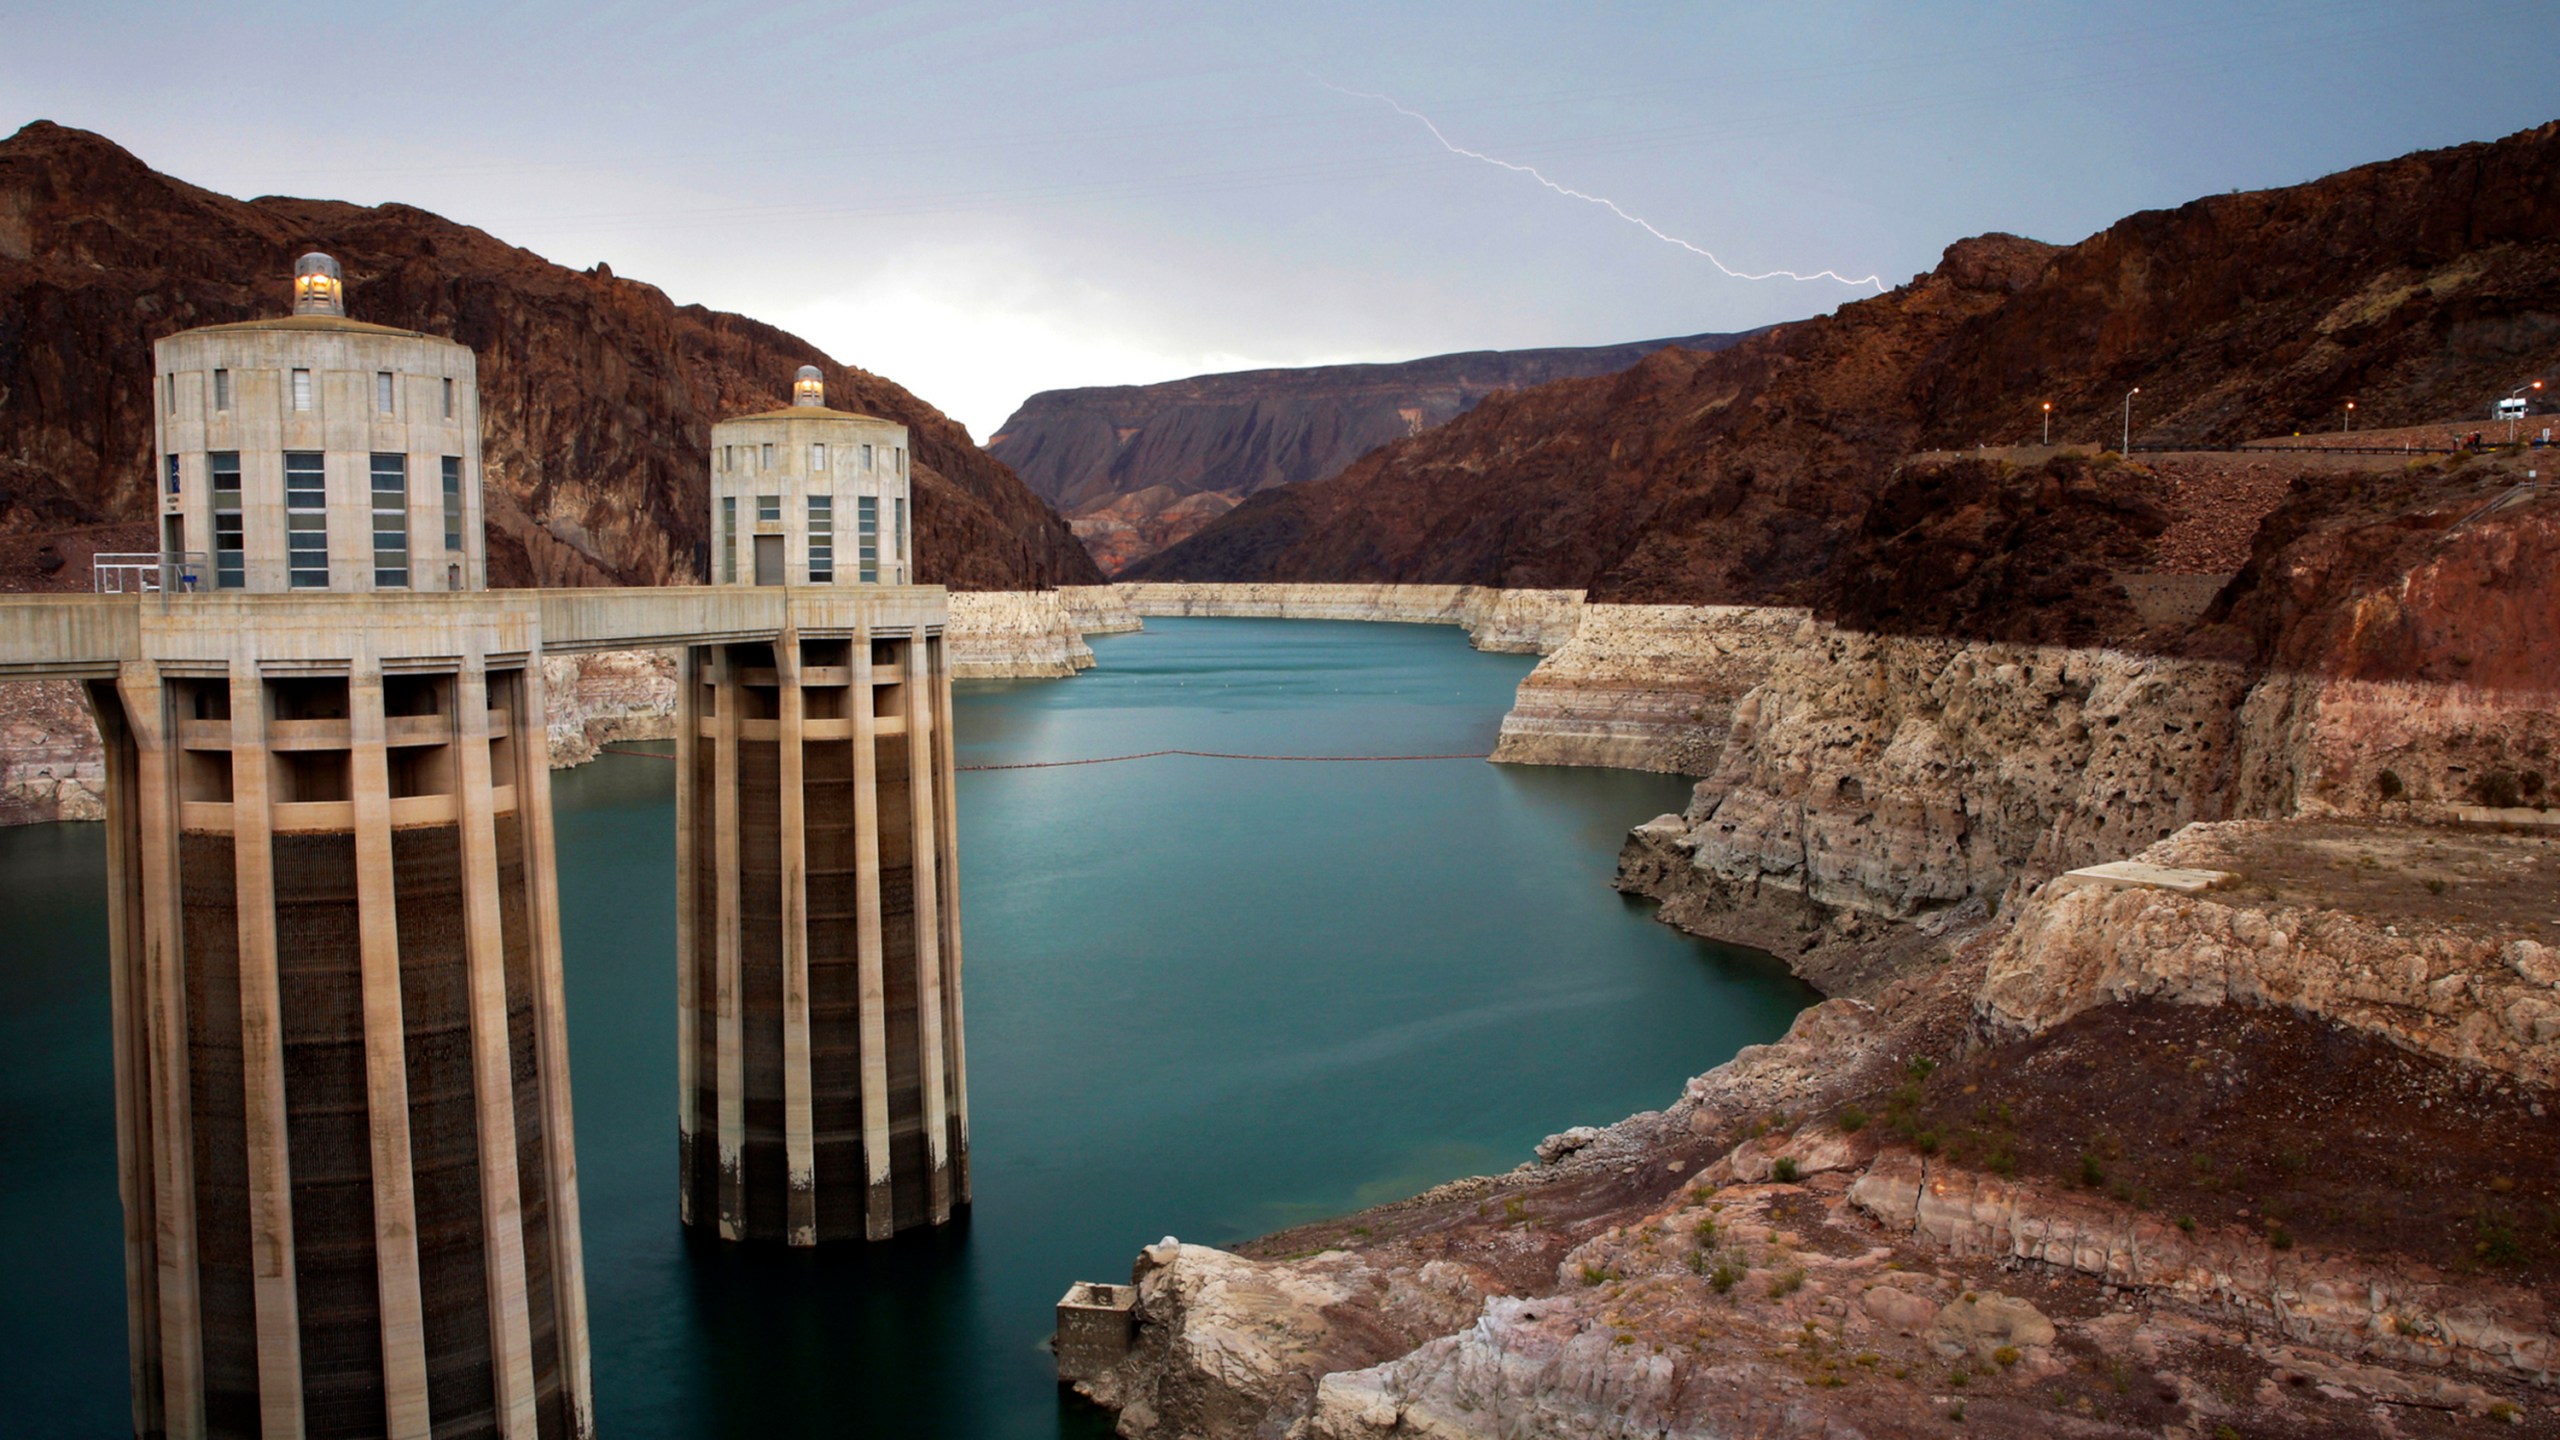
<point x="823" y="1086"/>
<point x="341" y="1070"/>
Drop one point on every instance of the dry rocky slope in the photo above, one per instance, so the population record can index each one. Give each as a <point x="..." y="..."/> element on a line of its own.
<point x="598" y="393"/>
<point x="2419" y="287"/>
<point x="2268" y="1144"/>
<point x="1139" y="467"/>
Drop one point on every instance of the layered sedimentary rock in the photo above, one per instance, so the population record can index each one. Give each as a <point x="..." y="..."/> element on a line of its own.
<point x="1898" y="776"/>
<point x="2291" y="939"/>
<point x="1027" y="633"/>
<point x="1513" y="621"/>
<point x="51" y="767"/>
<point x="1099" y="609"/>
<point x="1645" y="687"/>
<point x="2375" y="658"/>
<point x="595" y="699"/>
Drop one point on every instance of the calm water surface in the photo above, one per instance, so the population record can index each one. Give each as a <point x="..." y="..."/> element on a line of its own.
<point x="1205" y="998"/>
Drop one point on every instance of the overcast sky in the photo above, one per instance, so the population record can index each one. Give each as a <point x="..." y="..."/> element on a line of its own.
<point x="983" y="200"/>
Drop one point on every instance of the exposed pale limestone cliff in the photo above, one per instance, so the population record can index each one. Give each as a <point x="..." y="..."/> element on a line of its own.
<point x="1899" y="777"/>
<point x="1025" y="633"/>
<point x="50" y="764"/>
<point x="2444" y="984"/>
<point x="595" y="699"/>
<point x="1514" y="621"/>
<point x="1234" y="1347"/>
<point x="1645" y="687"/>
<point x="1099" y="609"/>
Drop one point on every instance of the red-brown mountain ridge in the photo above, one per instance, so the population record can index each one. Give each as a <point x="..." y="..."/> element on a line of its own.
<point x="2418" y="287"/>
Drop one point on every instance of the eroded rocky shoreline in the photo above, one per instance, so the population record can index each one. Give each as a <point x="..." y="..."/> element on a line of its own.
<point x="2258" y="1135"/>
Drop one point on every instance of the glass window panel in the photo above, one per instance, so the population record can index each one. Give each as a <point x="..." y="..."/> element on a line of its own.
<point x="230" y="552"/>
<point x="822" y="539"/>
<point x="306" y="519"/>
<point x="391" y="521"/>
<point x="453" y="504"/>
<point x="728" y="539"/>
<point x="382" y="391"/>
<point x="221" y="389"/>
<point x="301" y="389"/>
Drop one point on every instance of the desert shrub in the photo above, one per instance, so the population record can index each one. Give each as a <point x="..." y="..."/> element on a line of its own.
<point x="1784" y="1171"/>
<point x="1851" y="1119"/>
<point x="1786" y="1283"/>
<point x="2499" y="790"/>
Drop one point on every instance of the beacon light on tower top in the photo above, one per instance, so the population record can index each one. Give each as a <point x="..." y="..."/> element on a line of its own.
<point x="312" y="451"/>
<point x="319" y="287"/>
<point x="810" y="495"/>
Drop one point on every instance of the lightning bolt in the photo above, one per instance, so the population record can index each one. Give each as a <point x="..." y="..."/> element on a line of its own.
<point x="1602" y="201"/>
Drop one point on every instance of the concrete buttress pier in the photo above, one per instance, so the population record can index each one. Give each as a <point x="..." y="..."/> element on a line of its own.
<point x="342" y="1075"/>
<point x="823" y="1089"/>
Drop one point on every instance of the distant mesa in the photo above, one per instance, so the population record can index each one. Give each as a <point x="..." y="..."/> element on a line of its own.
<point x="1138" y="467"/>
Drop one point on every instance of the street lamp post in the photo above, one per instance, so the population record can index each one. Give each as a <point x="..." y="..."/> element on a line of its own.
<point x="2048" y="422"/>
<point x="2519" y="415"/>
<point x="2351" y="417"/>
<point x="2127" y="447"/>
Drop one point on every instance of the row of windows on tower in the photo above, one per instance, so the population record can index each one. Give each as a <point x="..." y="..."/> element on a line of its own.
<point x="301" y="395"/>
<point x="857" y="459"/>
<point x="822" y="535"/>
<point x="306" y="519"/>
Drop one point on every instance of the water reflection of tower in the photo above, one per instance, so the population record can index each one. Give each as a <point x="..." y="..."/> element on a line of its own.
<point x="824" y="1089"/>
<point x="342" y="1086"/>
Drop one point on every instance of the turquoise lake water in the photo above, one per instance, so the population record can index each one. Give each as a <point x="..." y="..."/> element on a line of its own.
<point x="1205" y="998"/>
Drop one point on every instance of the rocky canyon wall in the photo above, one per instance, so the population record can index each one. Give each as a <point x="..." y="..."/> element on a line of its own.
<point x="1510" y="621"/>
<point x="1645" y="687"/>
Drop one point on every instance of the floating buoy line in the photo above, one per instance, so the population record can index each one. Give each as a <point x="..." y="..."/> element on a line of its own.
<point x="1142" y="755"/>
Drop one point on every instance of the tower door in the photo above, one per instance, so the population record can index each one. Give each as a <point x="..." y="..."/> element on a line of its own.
<point x="768" y="559"/>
